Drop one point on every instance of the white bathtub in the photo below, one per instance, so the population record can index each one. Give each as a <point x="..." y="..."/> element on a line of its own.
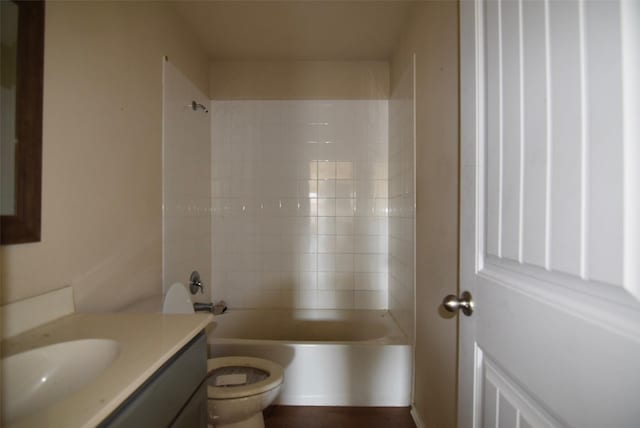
<point x="331" y="357"/>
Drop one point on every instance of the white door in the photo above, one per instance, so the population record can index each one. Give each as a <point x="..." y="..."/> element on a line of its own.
<point x="550" y="213"/>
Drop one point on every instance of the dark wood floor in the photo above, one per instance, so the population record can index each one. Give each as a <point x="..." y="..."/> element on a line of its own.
<point x="337" y="417"/>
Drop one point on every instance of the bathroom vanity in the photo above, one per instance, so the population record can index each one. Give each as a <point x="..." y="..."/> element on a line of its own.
<point x="151" y="379"/>
<point x="160" y="400"/>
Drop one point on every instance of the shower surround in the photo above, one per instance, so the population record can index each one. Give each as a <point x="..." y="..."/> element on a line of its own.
<point x="300" y="203"/>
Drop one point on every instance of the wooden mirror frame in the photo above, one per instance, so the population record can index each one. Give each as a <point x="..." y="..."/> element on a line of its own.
<point x="24" y="225"/>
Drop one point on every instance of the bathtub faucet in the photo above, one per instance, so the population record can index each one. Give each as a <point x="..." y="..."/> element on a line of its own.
<point x="203" y="307"/>
<point x="215" y="309"/>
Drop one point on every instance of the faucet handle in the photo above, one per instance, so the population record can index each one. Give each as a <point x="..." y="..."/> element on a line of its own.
<point x="195" y="283"/>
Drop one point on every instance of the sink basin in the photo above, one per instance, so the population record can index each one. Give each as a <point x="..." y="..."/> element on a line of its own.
<point x="35" y="379"/>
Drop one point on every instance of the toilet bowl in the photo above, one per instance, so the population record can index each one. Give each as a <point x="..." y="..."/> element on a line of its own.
<point x="239" y="389"/>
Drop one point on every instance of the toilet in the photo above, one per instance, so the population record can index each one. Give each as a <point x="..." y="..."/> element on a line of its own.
<point x="238" y="388"/>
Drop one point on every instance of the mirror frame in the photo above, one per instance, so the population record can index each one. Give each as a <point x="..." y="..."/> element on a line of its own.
<point x="24" y="226"/>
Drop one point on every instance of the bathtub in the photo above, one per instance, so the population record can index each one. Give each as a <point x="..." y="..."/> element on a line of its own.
<point x="330" y="357"/>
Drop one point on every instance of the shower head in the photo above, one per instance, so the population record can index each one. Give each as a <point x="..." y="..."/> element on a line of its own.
<point x="195" y="106"/>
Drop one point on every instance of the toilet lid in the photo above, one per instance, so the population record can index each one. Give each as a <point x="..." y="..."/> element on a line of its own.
<point x="234" y="377"/>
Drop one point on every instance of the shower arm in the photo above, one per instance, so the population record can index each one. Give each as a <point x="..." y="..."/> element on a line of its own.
<point x="195" y="106"/>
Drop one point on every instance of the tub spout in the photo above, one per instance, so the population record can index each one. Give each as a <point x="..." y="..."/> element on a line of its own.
<point x="203" y="307"/>
<point x="216" y="309"/>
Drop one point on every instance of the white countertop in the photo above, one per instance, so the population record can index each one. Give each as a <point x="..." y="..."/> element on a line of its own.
<point x="147" y="341"/>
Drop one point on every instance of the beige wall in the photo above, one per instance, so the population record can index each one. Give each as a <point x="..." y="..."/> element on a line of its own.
<point x="102" y="195"/>
<point x="298" y="80"/>
<point x="432" y="35"/>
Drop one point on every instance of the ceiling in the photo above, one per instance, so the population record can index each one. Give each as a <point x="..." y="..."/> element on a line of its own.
<point x="296" y="30"/>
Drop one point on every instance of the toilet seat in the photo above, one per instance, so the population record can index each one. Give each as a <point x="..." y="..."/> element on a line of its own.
<point x="273" y="380"/>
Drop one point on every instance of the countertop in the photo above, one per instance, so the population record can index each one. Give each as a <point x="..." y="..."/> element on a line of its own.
<point x="146" y="340"/>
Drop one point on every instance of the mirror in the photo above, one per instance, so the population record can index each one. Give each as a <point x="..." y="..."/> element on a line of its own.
<point x="21" y="68"/>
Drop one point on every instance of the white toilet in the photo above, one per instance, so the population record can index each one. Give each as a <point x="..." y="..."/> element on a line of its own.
<point x="238" y="388"/>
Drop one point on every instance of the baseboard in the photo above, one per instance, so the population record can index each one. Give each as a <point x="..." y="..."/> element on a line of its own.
<point x="334" y="400"/>
<point x="416" y="418"/>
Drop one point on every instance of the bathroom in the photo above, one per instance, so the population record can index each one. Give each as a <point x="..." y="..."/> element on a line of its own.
<point x="103" y="130"/>
<point x="139" y="188"/>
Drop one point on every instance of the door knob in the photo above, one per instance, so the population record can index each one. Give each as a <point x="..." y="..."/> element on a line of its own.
<point x="452" y="303"/>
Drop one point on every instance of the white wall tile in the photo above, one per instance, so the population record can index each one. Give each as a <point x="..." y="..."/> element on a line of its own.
<point x="345" y="226"/>
<point x="345" y="189"/>
<point x="327" y="225"/>
<point x="344" y="281"/>
<point x="370" y="281"/>
<point x="371" y="262"/>
<point x="327" y="207"/>
<point x="307" y="280"/>
<point x="326" y="244"/>
<point x="326" y="262"/>
<point x="344" y="170"/>
<point x="307" y="262"/>
<point x="326" y="170"/>
<point x="335" y="299"/>
<point x="344" y="244"/>
<point x="345" y="207"/>
<point x="370" y="300"/>
<point x="326" y="188"/>
<point x="307" y="188"/>
<point x="326" y="280"/>
<point x="344" y="262"/>
<point x="286" y="199"/>
<point x="306" y="299"/>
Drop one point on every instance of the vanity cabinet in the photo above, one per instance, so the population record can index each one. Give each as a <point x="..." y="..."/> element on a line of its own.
<point x="171" y="397"/>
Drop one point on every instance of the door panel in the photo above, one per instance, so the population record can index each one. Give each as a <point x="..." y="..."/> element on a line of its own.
<point x="584" y="374"/>
<point x="554" y="136"/>
<point x="535" y="130"/>
<point x="505" y="404"/>
<point x="549" y="213"/>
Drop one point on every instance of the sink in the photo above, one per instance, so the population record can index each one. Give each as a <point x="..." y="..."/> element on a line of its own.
<point x="35" y="379"/>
